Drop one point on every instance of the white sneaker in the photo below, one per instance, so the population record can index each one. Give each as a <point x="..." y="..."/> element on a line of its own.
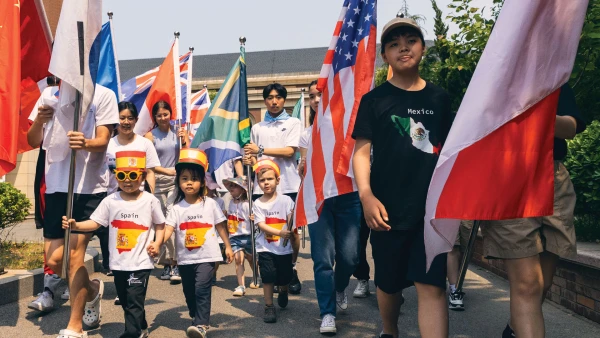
<point x="341" y="299"/>
<point x="455" y="301"/>
<point x="175" y="277"/>
<point x="66" y="295"/>
<point x="239" y="291"/>
<point x="328" y="324"/>
<point x="166" y="274"/>
<point x="71" y="334"/>
<point x="43" y="303"/>
<point x="362" y="289"/>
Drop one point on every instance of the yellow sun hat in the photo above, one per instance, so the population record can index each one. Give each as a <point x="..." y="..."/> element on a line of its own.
<point x="270" y="164"/>
<point x="130" y="160"/>
<point x="193" y="156"/>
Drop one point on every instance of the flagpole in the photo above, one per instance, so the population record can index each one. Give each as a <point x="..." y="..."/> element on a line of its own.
<point x="178" y="120"/>
<point x="71" y="183"/>
<point x="467" y="256"/>
<point x="252" y="228"/>
<point x="189" y="92"/>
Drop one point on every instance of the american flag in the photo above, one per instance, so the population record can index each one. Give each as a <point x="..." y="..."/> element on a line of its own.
<point x="347" y="74"/>
<point x="199" y="103"/>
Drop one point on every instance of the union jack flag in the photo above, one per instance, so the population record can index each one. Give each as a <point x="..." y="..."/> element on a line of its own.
<point x="347" y="74"/>
<point x="199" y="103"/>
<point x="136" y="89"/>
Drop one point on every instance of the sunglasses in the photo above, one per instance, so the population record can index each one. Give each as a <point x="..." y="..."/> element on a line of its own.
<point x="131" y="175"/>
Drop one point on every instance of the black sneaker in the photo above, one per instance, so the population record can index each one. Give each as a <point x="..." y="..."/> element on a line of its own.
<point x="384" y="335"/>
<point x="270" y="314"/>
<point x="508" y="332"/>
<point x="282" y="299"/>
<point x="295" y="285"/>
<point x="276" y="289"/>
<point x="455" y="301"/>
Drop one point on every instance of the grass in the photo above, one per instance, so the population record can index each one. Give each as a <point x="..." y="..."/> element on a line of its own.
<point x="21" y="256"/>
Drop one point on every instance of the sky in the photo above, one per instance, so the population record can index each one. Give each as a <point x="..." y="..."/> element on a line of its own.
<point x="144" y="29"/>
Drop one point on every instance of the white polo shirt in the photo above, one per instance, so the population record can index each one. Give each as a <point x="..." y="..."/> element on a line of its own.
<point x="279" y="134"/>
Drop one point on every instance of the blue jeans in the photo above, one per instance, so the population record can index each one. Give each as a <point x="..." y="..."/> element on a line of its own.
<point x="335" y="239"/>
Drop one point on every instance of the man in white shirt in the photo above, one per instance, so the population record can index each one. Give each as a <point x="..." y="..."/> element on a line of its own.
<point x="277" y="138"/>
<point x="90" y="187"/>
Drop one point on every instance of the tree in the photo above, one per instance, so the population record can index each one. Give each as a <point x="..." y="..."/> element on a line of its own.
<point x="452" y="61"/>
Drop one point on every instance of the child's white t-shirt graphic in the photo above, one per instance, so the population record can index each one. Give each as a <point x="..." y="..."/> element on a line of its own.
<point x="194" y="230"/>
<point x="238" y="218"/>
<point x="274" y="214"/>
<point x="131" y="229"/>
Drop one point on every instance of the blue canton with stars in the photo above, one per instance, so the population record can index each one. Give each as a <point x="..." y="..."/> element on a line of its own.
<point x="356" y="26"/>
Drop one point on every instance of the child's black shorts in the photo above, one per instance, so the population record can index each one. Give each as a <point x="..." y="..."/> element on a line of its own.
<point x="399" y="257"/>
<point x="275" y="269"/>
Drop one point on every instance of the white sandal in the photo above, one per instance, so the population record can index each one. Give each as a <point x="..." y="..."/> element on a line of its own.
<point x="92" y="314"/>
<point x="71" y="334"/>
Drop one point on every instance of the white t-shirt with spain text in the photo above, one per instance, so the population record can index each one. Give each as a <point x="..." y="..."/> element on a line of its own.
<point x="273" y="214"/>
<point x="195" y="232"/>
<point x="130" y="229"/>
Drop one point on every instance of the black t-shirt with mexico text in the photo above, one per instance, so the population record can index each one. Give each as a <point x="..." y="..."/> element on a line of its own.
<point x="407" y="130"/>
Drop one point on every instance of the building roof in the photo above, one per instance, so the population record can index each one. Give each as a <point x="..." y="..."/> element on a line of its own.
<point x="305" y="60"/>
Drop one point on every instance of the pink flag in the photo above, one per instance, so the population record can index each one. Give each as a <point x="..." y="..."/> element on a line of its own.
<point x="497" y="161"/>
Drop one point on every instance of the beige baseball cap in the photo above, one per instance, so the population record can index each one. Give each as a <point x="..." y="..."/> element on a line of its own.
<point x="400" y="21"/>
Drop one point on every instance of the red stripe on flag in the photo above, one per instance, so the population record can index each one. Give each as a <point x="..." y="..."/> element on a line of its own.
<point x="300" y="212"/>
<point x="519" y="158"/>
<point x="10" y="78"/>
<point x="318" y="166"/>
<point x="363" y="75"/>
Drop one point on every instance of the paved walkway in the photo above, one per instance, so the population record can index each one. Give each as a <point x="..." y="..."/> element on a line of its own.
<point x="486" y="314"/>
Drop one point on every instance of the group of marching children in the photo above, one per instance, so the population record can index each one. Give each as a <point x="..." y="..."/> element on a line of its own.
<point x="137" y="231"/>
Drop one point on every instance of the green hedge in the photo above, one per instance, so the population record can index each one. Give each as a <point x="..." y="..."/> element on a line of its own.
<point x="583" y="163"/>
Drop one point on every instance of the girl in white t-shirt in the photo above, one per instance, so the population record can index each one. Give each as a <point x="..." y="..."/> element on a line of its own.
<point x="194" y="219"/>
<point x="238" y="225"/>
<point x="134" y="218"/>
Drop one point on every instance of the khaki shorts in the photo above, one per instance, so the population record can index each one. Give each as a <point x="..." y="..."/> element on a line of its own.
<point x="526" y="237"/>
<point x="462" y="237"/>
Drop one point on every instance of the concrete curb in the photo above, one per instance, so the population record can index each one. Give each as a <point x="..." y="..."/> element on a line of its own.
<point x="19" y="284"/>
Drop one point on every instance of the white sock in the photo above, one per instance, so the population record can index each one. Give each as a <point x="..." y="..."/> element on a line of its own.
<point x="452" y="287"/>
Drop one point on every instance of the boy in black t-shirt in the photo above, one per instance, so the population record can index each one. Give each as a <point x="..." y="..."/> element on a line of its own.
<point x="406" y="120"/>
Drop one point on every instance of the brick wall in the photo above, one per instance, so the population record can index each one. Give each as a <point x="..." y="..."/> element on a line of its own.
<point x="575" y="286"/>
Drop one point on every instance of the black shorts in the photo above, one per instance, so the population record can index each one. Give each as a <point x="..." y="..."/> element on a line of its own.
<point x="56" y="207"/>
<point x="400" y="261"/>
<point x="275" y="269"/>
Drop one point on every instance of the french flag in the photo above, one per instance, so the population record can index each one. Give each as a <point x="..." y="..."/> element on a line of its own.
<point x="497" y="162"/>
<point x="167" y="87"/>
